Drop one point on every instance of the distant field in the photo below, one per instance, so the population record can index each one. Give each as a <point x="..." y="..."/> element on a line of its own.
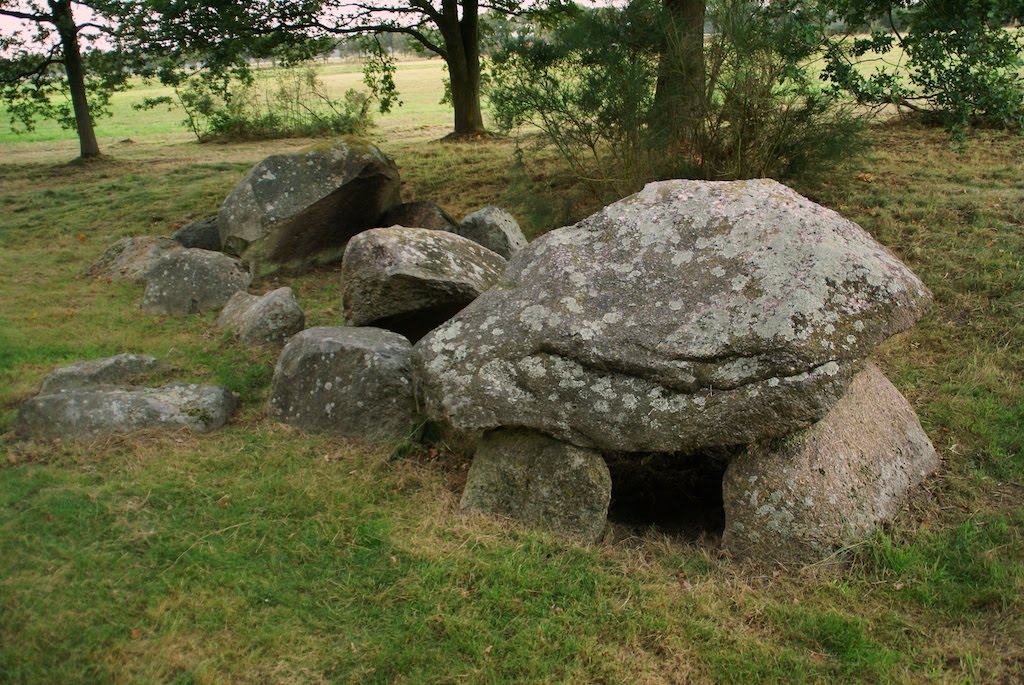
<point x="419" y="82"/>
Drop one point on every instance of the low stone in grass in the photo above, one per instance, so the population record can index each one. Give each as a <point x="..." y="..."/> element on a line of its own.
<point x="495" y="229"/>
<point x="130" y="259"/>
<point x="353" y="382"/>
<point x="267" y="319"/>
<point x="798" y="499"/>
<point x="191" y="281"/>
<point x="203" y="234"/>
<point x="102" y="411"/>
<point x="541" y="481"/>
<point x="117" y="370"/>
<point x="411" y="280"/>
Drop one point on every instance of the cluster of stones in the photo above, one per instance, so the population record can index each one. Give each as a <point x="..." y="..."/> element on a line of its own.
<point x="691" y="318"/>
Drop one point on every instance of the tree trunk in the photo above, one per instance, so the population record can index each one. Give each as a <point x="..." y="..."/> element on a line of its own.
<point x="462" y="44"/>
<point x="75" y="70"/>
<point x="679" y="98"/>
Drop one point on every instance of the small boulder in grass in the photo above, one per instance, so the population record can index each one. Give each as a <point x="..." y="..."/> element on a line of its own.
<point x="266" y="319"/>
<point x="799" y="499"/>
<point x="130" y="259"/>
<point x="118" y="370"/>
<point x="102" y="411"/>
<point x="420" y="214"/>
<point x="495" y="229"/>
<point x="192" y="281"/>
<point x="353" y="382"/>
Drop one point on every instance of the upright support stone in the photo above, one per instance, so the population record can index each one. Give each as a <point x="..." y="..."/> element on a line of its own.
<point x="538" y="480"/>
<point x="799" y="499"/>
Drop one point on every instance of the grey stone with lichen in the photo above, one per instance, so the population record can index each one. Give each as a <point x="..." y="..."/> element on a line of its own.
<point x="411" y="280"/>
<point x="192" y="281"/>
<point x="116" y="370"/>
<point x="532" y="478"/>
<point x="262" y="319"/>
<point x="495" y="229"/>
<point x="299" y="209"/>
<point x="690" y="315"/>
<point x="419" y="214"/>
<point x="130" y="259"/>
<point x="101" y="411"/>
<point x="799" y="499"/>
<point x="353" y="382"/>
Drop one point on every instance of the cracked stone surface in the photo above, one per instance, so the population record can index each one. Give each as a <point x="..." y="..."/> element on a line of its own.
<point x="411" y="280"/>
<point x="347" y="381"/>
<point x="100" y="411"/>
<point x="691" y="315"/>
<point x="798" y="499"/>
<point x="299" y="209"/>
<point x="191" y="281"/>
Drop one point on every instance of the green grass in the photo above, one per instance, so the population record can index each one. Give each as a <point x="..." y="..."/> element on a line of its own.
<point x="261" y="555"/>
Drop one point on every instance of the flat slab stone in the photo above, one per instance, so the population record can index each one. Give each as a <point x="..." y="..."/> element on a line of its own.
<point x="798" y="499"/>
<point x="118" y="370"/>
<point x="96" y="412"/>
<point x="354" y="382"/>
<point x="691" y="315"/>
<point x="262" y="319"/>
<point x="543" y="482"/>
<point x="411" y="280"/>
<point x="299" y="209"/>
<point x="190" y="281"/>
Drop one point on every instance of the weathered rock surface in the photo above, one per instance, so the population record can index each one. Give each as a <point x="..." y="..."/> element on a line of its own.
<point x="347" y="381"/>
<point x="690" y="315"/>
<point x="411" y="280"/>
<point x="130" y="259"/>
<point x="420" y="214"/>
<point x="95" y="412"/>
<point x="495" y="229"/>
<point x="299" y="209"/>
<point x="266" y="319"/>
<point x="800" y="498"/>
<point x="190" y="281"/>
<point x="203" y="234"/>
<point x="535" y="479"/>
<point x="117" y="370"/>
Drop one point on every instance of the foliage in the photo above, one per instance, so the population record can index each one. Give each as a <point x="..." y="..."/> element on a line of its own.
<point x="294" y="104"/>
<point x="948" y="59"/>
<point x="589" y="86"/>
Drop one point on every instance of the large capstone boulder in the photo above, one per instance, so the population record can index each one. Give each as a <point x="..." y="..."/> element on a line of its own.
<point x="495" y="229"/>
<point x="801" y="498"/>
<point x="130" y="259"/>
<point x="411" y="280"/>
<point x="544" y="482"/>
<point x="191" y="281"/>
<point x="353" y="382"/>
<point x="203" y="234"/>
<point x="420" y="214"/>
<point x="301" y="208"/>
<point x="101" y="411"/>
<point x="267" y="319"/>
<point x="690" y="315"/>
<point x="118" y="370"/>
